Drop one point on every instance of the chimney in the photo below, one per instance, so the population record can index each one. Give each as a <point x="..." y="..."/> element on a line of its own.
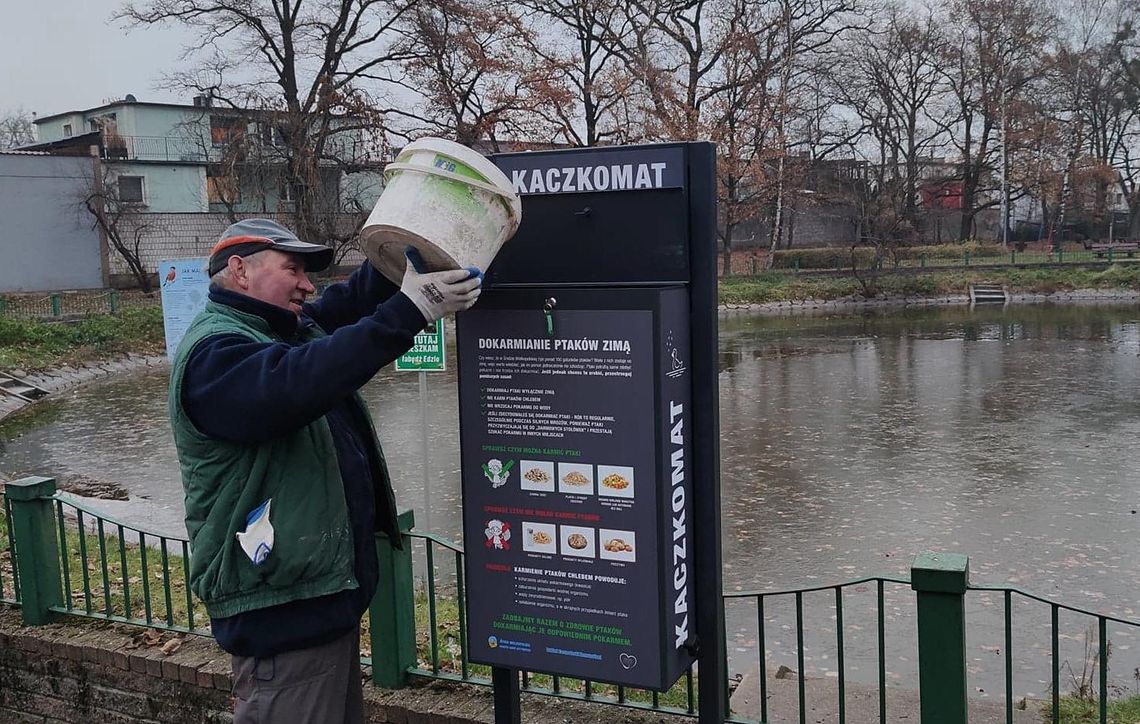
<point x="203" y="100"/>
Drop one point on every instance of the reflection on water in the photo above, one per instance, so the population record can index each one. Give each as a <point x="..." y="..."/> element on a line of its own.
<point x="849" y="444"/>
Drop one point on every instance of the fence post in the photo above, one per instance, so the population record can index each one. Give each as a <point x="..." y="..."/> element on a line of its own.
<point x="393" y="610"/>
<point x="940" y="580"/>
<point x="37" y="550"/>
<point x="967" y="258"/>
<point x="114" y="301"/>
<point x="56" y="305"/>
<point x="753" y="266"/>
<point x="922" y="260"/>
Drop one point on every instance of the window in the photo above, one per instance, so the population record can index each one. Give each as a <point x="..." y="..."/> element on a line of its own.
<point x="223" y="190"/>
<point x="288" y="192"/>
<point x="224" y="130"/>
<point x="67" y="130"/>
<point x="270" y="136"/>
<point x="131" y="190"/>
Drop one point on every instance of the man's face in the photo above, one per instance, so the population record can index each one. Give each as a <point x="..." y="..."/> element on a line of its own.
<point x="277" y="278"/>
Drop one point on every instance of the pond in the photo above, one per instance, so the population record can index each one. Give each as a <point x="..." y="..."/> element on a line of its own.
<point x="850" y="443"/>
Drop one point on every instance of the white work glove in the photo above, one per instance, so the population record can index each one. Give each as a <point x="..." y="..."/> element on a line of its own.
<point x="437" y="294"/>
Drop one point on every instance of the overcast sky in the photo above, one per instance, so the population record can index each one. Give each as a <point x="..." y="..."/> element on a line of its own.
<point x="62" y="55"/>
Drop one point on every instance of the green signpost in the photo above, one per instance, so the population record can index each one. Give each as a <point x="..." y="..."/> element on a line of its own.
<point x="427" y="354"/>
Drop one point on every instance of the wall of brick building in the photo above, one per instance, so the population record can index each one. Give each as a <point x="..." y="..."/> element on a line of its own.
<point x="183" y="236"/>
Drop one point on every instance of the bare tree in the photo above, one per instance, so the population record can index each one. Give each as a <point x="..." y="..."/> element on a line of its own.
<point x="577" y="42"/>
<point x="997" y="48"/>
<point x="309" y="62"/>
<point x="891" y="81"/>
<point x="732" y="71"/>
<point x="463" y="64"/>
<point x="1125" y="46"/>
<point x="119" y="218"/>
<point x="16" y="129"/>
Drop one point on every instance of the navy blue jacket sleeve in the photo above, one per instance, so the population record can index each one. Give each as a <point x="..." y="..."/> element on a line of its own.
<point x="346" y="302"/>
<point x="245" y="391"/>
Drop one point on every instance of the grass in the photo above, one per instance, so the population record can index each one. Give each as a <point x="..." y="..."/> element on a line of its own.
<point x="32" y="345"/>
<point x="784" y="287"/>
<point x="1076" y="710"/>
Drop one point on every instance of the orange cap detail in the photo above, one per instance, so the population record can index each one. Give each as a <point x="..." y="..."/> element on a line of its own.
<point x="235" y="240"/>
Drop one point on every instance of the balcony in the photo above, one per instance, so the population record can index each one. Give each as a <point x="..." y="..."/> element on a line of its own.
<point x="174" y="149"/>
<point x="154" y="148"/>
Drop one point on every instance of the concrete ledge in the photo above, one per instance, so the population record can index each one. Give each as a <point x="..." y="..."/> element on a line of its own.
<point x="861" y="702"/>
<point x="65" y="377"/>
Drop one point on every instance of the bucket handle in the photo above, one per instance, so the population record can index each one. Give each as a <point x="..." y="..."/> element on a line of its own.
<point x="450" y="175"/>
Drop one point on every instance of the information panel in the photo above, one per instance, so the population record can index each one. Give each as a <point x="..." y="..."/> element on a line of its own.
<point x="570" y="473"/>
<point x="185" y="287"/>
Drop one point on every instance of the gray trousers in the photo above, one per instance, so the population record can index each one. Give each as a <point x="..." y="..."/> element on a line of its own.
<point x="319" y="685"/>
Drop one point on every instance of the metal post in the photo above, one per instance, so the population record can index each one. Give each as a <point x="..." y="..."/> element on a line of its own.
<point x="56" y="305"/>
<point x="712" y="684"/>
<point x="426" y="448"/>
<point x="114" y="301"/>
<point x="37" y="549"/>
<point x="940" y="579"/>
<point x="505" y="683"/>
<point x="393" y="609"/>
<point x="967" y="258"/>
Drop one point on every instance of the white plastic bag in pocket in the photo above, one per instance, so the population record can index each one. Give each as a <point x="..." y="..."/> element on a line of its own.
<point x="257" y="538"/>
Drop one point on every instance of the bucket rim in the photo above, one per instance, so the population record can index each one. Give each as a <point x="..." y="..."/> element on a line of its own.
<point x="464" y="155"/>
<point x="494" y="176"/>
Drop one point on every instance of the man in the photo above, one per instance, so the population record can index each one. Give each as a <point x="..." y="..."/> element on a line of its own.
<point x="285" y="482"/>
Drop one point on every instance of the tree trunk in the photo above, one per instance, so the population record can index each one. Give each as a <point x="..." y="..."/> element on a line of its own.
<point x="1134" y="221"/>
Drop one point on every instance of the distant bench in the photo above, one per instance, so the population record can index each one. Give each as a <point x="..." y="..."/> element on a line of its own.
<point x="1127" y="248"/>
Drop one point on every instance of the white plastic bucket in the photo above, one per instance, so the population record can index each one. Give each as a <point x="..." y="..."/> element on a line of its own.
<point x="446" y="200"/>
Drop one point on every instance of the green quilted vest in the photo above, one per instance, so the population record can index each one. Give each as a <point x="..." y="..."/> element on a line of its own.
<point x="223" y="482"/>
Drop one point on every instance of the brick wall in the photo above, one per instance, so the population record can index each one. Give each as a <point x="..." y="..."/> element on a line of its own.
<point x="97" y="673"/>
<point x="181" y="236"/>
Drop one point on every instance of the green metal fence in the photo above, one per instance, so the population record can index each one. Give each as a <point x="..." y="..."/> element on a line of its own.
<point x="444" y="653"/>
<point x="64" y="305"/>
<point x="58" y="557"/>
<point x="948" y="258"/>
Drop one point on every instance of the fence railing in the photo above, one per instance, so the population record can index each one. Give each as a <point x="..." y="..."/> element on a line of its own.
<point x="752" y="262"/>
<point x="64" y="305"/>
<point x="59" y="557"/>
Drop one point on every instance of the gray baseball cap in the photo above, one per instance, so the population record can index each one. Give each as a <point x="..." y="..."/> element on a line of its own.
<point x="250" y="236"/>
